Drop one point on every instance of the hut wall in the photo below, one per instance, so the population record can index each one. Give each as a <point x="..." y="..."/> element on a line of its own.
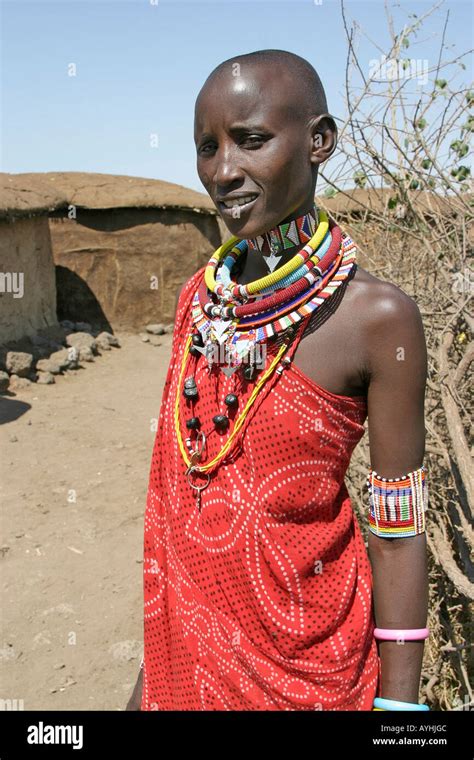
<point x="120" y="268"/>
<point x="27" y="278"/>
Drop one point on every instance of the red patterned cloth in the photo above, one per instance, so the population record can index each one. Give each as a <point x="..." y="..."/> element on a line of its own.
<point x="263" y="601"/>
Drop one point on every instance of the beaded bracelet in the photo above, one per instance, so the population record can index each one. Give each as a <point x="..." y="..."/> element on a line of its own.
<point x="407" y="634"/>
<point x="380" y="703"/>
<point x="398" y="505"/>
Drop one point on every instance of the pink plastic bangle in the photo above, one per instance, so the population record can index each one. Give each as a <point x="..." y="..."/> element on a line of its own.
<point x="409" y="634"/>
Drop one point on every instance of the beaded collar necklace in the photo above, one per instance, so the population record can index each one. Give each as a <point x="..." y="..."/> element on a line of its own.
<point x="251" y="313"/>
<point x="286" y="234"/>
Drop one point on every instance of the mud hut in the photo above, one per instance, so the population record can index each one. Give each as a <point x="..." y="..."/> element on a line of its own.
<point x="27" y="278"/>
<point x="104" y="249"/>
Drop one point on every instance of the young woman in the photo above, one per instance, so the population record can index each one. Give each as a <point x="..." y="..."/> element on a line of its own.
<point x="259" y="593"/>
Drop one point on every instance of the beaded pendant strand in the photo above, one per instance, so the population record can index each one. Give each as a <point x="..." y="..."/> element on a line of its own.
<point x="246" y="317"/>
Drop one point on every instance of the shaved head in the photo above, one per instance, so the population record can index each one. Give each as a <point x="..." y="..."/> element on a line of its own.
<point x="305" y="87"/>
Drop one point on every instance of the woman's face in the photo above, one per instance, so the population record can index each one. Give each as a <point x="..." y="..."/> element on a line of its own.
<point x="253" y="149"/>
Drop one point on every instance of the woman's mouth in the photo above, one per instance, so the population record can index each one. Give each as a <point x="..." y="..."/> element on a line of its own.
<point x="235" y="207"/>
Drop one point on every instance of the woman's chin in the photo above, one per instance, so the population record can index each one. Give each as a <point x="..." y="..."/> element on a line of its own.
<point x="244" y="230"/>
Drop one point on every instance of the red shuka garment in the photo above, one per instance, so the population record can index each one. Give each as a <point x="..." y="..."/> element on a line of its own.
<point x="263" y="601"/>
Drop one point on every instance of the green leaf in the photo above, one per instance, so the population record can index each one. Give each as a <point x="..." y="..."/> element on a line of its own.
<point x="469" y="125"/>
<point x="461" y="148"/>
<point x="461" y="172"/>
<point x="360" y="178"/>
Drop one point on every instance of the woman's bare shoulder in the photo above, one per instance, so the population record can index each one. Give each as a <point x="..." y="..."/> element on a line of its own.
<point x="384" y="305"/>
<point x="380" y="294"/>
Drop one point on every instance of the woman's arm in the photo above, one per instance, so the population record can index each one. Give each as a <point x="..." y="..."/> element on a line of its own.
<point x="397" y="368"/>
<point x="400" y="601"/>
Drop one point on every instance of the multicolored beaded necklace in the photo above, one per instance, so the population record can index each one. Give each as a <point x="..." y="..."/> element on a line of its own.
<point x="286" y="235"/>
<point x="247" y="316"/>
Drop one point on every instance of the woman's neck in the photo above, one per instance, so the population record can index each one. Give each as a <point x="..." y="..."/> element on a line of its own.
<point x="273" y="249"/>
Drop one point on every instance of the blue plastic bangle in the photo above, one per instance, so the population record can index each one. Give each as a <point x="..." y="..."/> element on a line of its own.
<point x="396" y="704"/>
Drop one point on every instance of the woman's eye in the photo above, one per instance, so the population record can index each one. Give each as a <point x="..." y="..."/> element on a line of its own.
<point x="206" y="148"/>
<point x="253" y="138"/>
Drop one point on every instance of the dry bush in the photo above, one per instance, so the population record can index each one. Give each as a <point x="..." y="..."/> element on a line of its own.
<point x="405" y="148"/>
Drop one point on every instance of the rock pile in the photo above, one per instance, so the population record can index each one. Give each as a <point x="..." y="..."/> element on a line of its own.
<point x="152" y="331"/>
<point x="52" y="352"/>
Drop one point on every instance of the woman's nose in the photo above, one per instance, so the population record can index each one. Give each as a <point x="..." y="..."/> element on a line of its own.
<point x="227" y="167"/>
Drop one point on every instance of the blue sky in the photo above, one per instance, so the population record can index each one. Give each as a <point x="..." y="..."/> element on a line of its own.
<point x="139" y="66"/>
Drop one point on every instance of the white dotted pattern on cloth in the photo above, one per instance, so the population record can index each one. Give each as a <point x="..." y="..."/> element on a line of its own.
<point x="235" y="616"/>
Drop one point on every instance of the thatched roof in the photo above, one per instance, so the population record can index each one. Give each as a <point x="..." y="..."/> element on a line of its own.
<point x="34" y="193"/>
<point x="359" y="200"/>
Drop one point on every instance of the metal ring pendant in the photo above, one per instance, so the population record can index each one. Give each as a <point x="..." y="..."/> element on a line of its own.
<point x="198" y="488"/>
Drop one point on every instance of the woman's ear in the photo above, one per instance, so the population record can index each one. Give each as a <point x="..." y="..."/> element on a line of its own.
<point x="323" y="138"/>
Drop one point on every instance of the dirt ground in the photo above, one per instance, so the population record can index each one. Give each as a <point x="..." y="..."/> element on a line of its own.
<point x="74" y="467"/>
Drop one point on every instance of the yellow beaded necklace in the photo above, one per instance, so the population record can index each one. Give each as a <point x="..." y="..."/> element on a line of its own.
<point x="274" y="277"/>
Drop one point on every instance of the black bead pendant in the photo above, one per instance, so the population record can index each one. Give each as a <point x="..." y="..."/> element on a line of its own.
<point x="221" y="421"/>
<point x="249" y="372"/>
<point x="197" y="339"/>
<point x="231" y="400"/>
<point x="193" y="423"/>
<point x="194" y="351"/>
<point x="190" y="388"/>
